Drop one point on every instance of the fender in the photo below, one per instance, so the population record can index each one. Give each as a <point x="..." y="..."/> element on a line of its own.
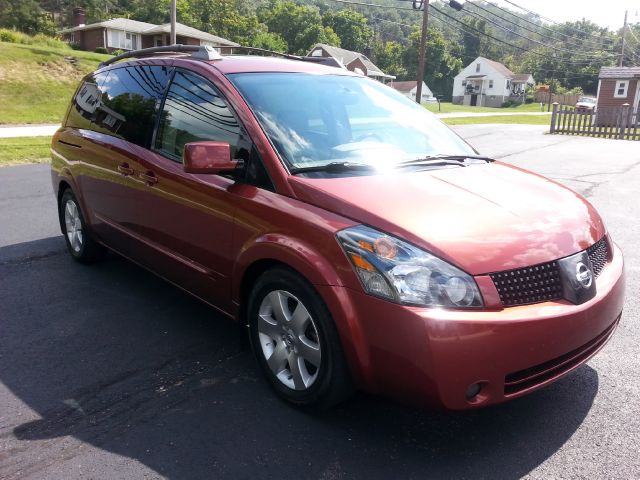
<point x="324" y="275"/>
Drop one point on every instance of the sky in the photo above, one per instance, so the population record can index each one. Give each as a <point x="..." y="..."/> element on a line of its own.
<point x="609" y="13"/>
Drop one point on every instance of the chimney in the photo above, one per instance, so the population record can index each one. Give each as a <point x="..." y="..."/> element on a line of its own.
<point x="78" y="17"/>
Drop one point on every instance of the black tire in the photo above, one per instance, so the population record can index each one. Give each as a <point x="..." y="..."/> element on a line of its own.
<point x="82" y="248"/>
<point x="331" y="382"/>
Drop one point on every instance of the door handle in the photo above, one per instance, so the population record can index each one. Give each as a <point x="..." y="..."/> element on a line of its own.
<point x="125" y="169"/>
<point x="149" y="177"/>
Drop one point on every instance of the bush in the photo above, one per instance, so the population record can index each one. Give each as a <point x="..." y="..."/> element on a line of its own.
<point x="117" y="52"/>
<point x="529" y="100"/>
<point x="510" y="103"/>
<point x="11" y="36"/>
<point x="45" y="40"/>
<point x="101" y="50"/>
<point x="75" y="46"/>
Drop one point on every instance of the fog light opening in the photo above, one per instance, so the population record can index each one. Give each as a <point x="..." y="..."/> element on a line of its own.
<point x="473" y="391"/>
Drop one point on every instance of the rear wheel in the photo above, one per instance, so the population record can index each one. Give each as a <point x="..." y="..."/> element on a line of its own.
<point x="295" y="341"/>
<point x="79" y="243"/>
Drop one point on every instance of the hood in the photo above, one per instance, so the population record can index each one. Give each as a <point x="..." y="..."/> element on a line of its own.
<point x="482" y="218"/>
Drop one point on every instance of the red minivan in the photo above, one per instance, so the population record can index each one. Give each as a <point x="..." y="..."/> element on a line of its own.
<point x="362" y="242"/>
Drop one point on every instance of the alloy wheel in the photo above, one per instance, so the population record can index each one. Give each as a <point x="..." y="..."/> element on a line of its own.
<point x="289" y="340"/>
<point x="73" y="225"/>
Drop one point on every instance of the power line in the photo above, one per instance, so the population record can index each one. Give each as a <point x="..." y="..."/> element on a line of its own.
<point x="546" y="18"/>
<point x="476" y="5"/>
<point x="390" y="7"/>
<point x="515" y="47"/>
<point x="544" y="27"/>
<point x="513" y="32"/>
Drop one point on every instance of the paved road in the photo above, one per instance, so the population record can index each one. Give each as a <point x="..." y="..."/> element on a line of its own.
<point x="107" y="372"/>
<point x="9" y="131"/>
<point x="46" y="130"/>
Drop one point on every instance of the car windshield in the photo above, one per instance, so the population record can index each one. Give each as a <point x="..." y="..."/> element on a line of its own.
<point x="316" y="120"/>
<point x="586" y="100"/>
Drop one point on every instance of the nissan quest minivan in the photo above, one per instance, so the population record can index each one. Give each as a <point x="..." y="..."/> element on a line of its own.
<point x="363" y="243"/>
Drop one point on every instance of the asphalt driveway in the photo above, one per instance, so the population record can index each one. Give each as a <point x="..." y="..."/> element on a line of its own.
<point x="108" y="372"/>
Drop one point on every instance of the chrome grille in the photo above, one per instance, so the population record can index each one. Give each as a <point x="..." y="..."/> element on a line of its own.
<point x="522" y="286"/>
<point x="542" y="283"/>
<point x="599" y="255"/>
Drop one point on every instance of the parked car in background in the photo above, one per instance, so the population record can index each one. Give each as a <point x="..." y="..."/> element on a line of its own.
<point x="362" y="242"/>
<point x="586" y="104"/>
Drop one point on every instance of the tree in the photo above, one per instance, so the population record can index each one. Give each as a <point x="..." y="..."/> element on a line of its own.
<point x="440" y="65"/>
<point x="299" y="25"/>
<point x="26" y="16"/>
<point x="388" y="56"/>
<point x="352" y="28"/>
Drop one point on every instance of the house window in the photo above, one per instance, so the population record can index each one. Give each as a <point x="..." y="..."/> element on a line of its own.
<point x="508" y="84"/>
<point x="490" y="83"/>
<point x="477" y="67"/>
<point x="621" y="89"/>
<point x="464" y="83"/>
<point x="123" y="40"/>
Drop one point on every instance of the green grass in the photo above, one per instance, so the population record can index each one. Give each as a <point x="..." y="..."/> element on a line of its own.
<point x="16" y="151"/>
<point x="37" y="81"/>
<point x="508" y="119"/>
<point x="448" y="107"/>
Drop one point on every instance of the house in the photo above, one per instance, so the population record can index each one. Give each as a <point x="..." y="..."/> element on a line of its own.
<point x="617" y="86"/>
<point x="489" y="84"/>
<point x="125" y="34"/>
<point x="353" y="61"/>
<point x="408" y="89"/>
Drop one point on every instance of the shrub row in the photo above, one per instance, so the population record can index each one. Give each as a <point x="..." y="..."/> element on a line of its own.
<point x="13" y="36"/>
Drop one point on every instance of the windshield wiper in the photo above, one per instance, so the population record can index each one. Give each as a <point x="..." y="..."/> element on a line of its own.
<point x="333" y="167"/>
<point x="460" y="160"/>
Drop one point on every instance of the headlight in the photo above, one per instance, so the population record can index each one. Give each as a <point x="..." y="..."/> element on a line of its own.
<point x="393" y="269"/>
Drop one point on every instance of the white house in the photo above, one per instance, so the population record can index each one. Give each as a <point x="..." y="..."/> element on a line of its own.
<point x="408" y="89"/>
<point x="353" y="61"/>
<point x="489" y="84"/>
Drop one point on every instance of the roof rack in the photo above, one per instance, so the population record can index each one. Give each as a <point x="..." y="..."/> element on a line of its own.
<point x="203" y="52"/>
<point x="206" y="52"/>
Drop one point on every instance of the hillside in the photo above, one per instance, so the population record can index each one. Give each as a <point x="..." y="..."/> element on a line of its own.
<point x="37" y="81"/>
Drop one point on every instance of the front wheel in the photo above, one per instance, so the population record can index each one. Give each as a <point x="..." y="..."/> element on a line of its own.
<point x="296" y="342"/>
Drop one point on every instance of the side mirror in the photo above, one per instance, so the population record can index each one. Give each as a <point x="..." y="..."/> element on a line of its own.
<point x="209" y="157"/>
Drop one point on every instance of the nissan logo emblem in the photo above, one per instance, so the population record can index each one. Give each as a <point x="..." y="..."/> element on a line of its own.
<point x="583" y="275"/>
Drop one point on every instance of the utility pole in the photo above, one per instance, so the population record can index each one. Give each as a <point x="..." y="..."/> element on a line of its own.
<point x="423" y="49"/>
<point x="624" y="31"/>
<point x="173" y="22"/>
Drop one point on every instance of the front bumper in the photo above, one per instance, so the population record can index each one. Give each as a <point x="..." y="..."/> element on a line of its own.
<point x="433" y="356"/>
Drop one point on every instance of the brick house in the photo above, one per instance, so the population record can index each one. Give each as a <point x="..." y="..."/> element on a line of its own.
<point x="617" y="86"/>
<point x="125" y="34"/>
<point x="353" y="61"/>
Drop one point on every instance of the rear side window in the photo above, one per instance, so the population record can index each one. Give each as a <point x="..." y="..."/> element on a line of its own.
<point x="195" y="111"/>
<point x="121" y="102"/>
<point x="86" y="103"/>
<point x="129" y="97"/>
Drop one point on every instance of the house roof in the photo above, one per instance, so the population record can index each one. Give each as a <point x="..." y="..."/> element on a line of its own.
<point x="144" y="28"/>
<point x="405" y="86"/>
<point x="132" y="26"/>
<point x="186" y="31"/>
<point x="501" y="68"/>
<point x="619" y="72"/>
<point x="347" y="56"/>
<point x="521" y="77"/>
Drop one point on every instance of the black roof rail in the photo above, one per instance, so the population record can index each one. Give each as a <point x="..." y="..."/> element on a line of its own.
<point x="203" y="52"/>
<point x="206" y="52"/>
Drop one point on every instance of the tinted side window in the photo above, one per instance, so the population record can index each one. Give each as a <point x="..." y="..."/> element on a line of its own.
<point x="195" y="111"/>
<point x="128" y="102"/>
<point x="86" y="103"/>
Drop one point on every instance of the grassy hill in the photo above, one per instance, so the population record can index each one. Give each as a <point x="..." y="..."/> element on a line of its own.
<point x="37" y="80"/>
